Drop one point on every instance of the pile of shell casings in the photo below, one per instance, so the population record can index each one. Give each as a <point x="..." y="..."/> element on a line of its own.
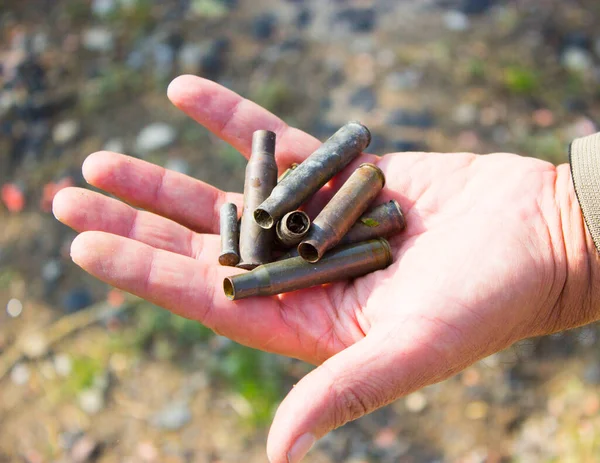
<point x="278" y="242"/>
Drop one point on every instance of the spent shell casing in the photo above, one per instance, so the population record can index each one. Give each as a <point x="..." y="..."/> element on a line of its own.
<point x="230" y="235"/>
<point x="292" y="228"/>
<point x="291" y="274"/>
<point x="287" y="172"/>
<point x="314" y="172"/>
<point x="382" y="221"/>
<point x="338" y="216"/>
<point x="261" y="176"/>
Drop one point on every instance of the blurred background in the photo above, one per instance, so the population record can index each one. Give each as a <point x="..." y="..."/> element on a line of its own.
<point x="91" y="374"/>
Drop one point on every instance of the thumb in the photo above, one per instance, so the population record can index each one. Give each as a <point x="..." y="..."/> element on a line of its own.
<point x="367" y="375"/>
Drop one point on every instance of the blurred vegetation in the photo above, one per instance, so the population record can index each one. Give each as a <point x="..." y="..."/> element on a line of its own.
<point x="256" y="376"/>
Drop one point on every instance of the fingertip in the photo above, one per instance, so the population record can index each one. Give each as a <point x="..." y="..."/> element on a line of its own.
<point x="78" y="248"/>
<point x="60" y="204"/>
<point x="93" y="165"/>
<point x="179" y="88"/>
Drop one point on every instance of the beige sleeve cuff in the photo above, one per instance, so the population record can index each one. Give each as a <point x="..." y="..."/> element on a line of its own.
<point x="584" y="158"/>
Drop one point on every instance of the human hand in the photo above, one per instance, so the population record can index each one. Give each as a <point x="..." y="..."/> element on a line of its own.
<point x="495" y="251"/>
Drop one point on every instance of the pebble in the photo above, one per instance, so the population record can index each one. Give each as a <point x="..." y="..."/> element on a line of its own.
<point x="34" y="344"/>
<point x="359" y="19"/>
<point x="577" y="60"/>
<point x="591" y="374"/>
<point x="52" y="270"/>
<point x="63" y="365"/>
<point x="403" y="80"/>
<point x="115" y="145"/>
<point x="364" y="98"/>
<point x="77" y="299"/>
<point x="65" y="132"/>
<point x="476" y="410"/>
<point x="14" y="308"/>
<point x="172" y="417"/>
<point x="264" y="26"/>
<point x="476" y="6"/>
<point x="98" y="39"/>
<point x="178" y="165"/>
<point x="91" y="401"/>
<point x="20" y="374"/>
<point x="103" y="8"/>
<point x="405" y="118"/>
<point x="416" y="402"/>
<point x="456" y="21"/>
<point x="83" y="450"/>
<point x="304" y="18"/>
<point x="154" y="137"/>
<point x="465" y="114"/>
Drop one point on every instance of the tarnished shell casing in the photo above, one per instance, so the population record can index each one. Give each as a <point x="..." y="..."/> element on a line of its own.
<point x="261" y="176"/>
<point x="292" y="228"/>
<point x="291" y="274"/>
<point x="230" y="235"/>
<point x="287" y="172"/>
<point x="382" y="221"/>
<point x="341" y="213"/>
<point x="314" y="172"/>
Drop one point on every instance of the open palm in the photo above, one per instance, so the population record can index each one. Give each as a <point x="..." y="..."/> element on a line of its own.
<point x="481" y="265"/>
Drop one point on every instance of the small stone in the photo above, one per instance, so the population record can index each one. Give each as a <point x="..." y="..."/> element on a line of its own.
<point x="65" y="132"/>
<point x="91" y="401"/>
<point x="63" y="365"/>
<point x="465" y="114"/>
<point x="20" y="374"/>
<point x="178" y="165"/>
<point x="83" y="450"/>
<point x="364" y="98"/>
<point x="77" y="299"/>
<point x="304" y="18"/>
<point x="416" y="402"/>
<point x="98" y="39"/>
<point x="154" y="137"/>
<point x="405" y="80"/>
<point x="52" y="270"/>
<point x="405" y="118"/>
<point x="264" y="26"/>
<point x="591" y="374"/>
<point x="476" y="6"/>
<point x="34" y="344"/>
<point x="14" y="308"/>
<point x="115" y="145"/>
<point x="359" y="19"/>
<point x="476" y="410"/>
<point x="577" y="60"/>
<point x="103" y="8"/>
<point x="172" y="417"/>
<point x="456" y="21"/>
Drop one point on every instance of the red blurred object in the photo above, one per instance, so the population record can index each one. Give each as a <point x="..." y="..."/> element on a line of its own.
<point x="13" y="197"/>
<point x="115" y="298"/>
<point x="50" y="190"/>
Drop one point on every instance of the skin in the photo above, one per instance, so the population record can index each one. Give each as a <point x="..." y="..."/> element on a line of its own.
<point x="495" y="251"/>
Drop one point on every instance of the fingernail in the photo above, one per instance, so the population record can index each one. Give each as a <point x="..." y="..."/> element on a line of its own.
<point x="301" y="447"/>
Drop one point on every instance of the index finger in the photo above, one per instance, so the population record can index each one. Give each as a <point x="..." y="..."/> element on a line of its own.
<point x="234" y="119"/>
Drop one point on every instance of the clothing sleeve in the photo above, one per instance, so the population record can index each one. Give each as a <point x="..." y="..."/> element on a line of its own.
<point x="584" y="158"/>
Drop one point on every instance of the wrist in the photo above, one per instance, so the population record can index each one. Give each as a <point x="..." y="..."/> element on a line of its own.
<point x="577" y="303"/>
